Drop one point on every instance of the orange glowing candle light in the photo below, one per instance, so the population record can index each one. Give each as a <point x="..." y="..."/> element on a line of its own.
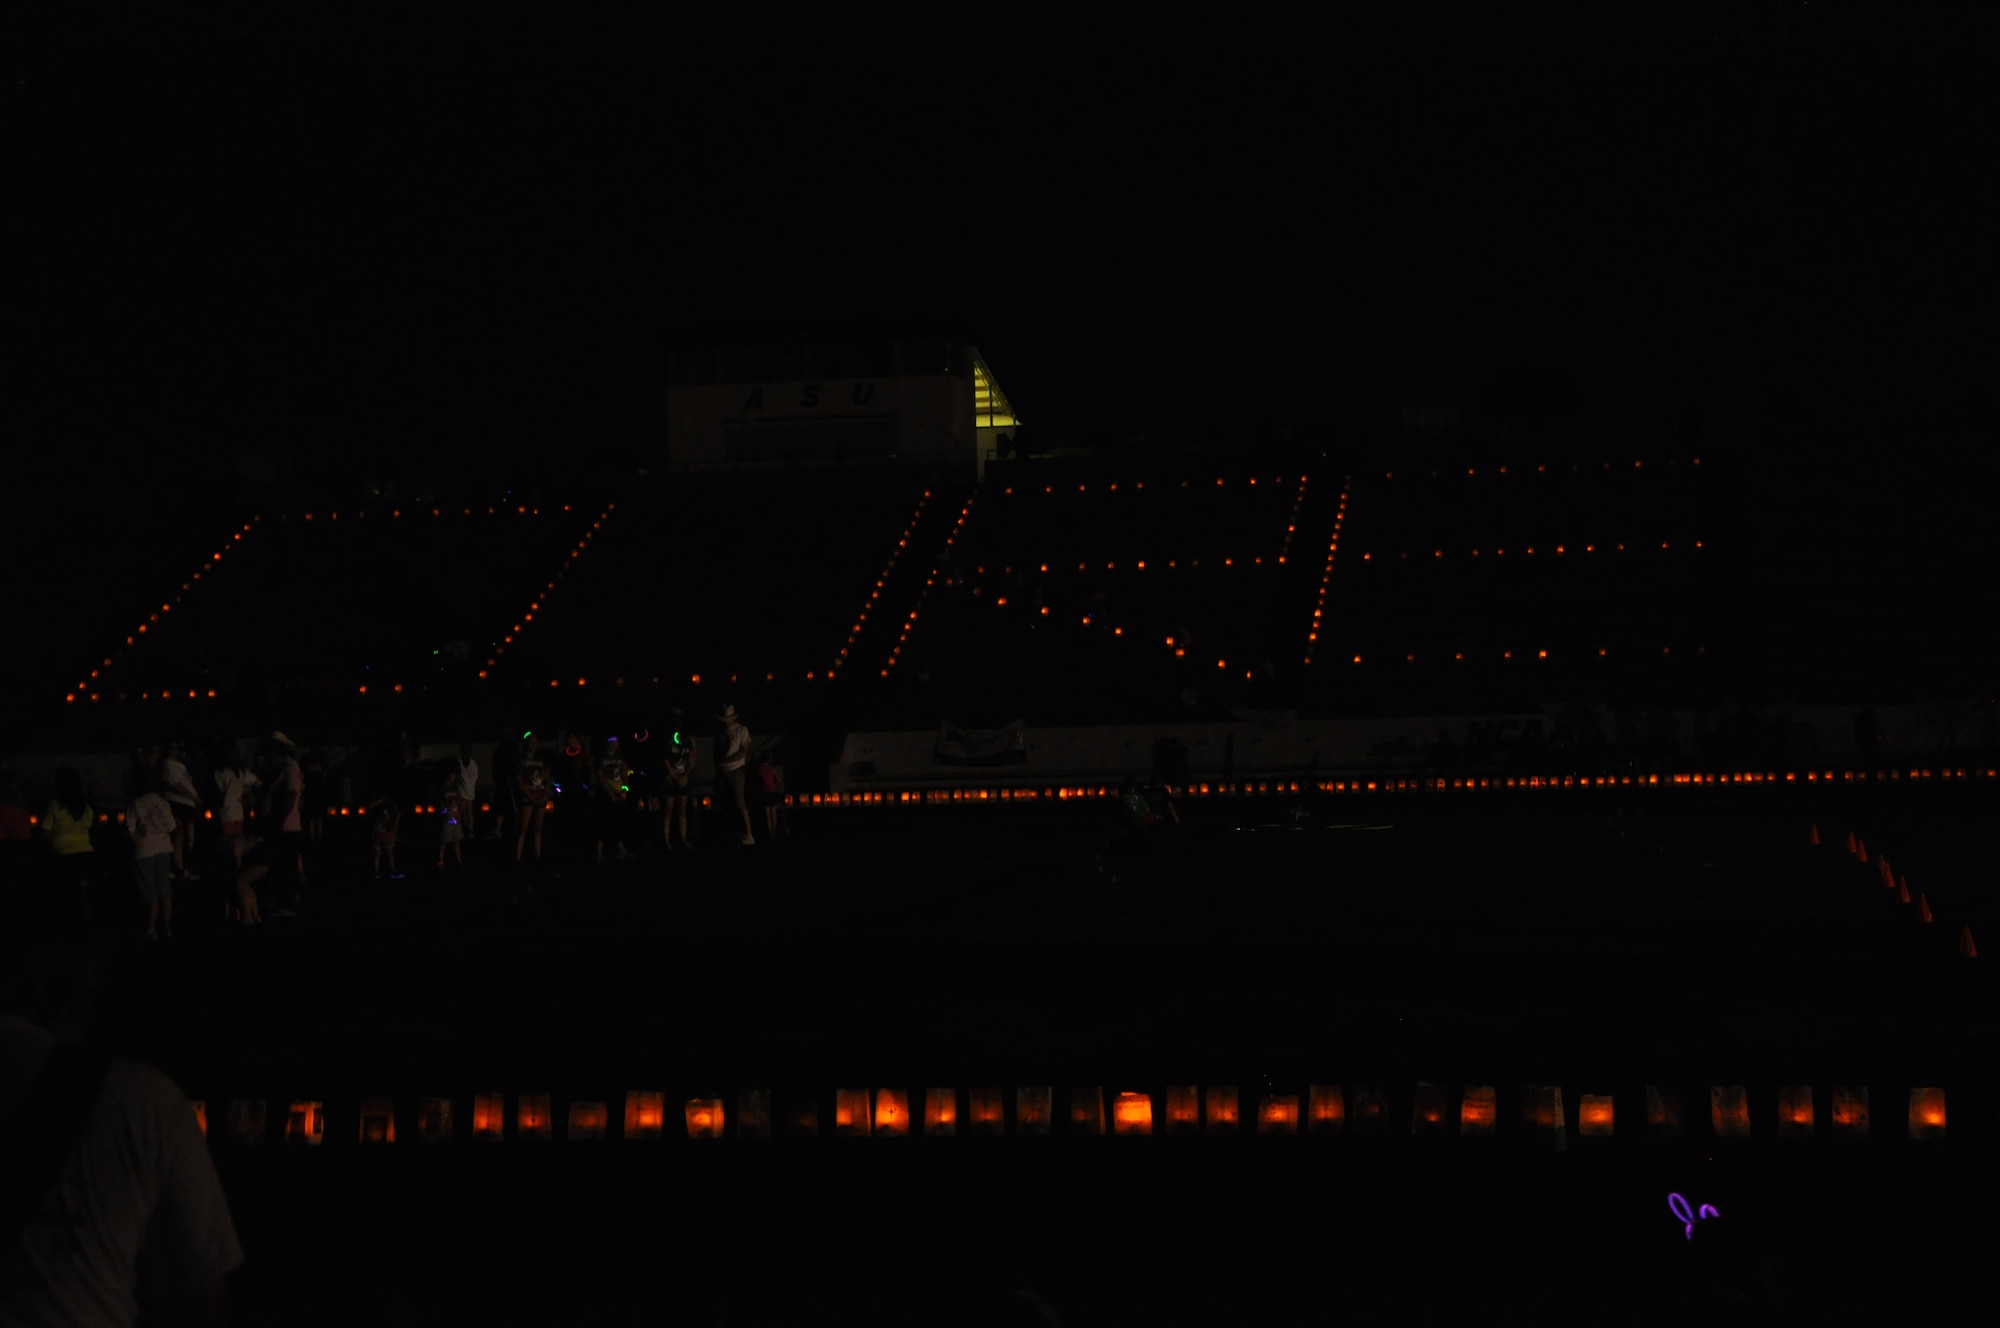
<point x="1278" y="1114"/>
<point x="1326" y="1109"/>
<point x="588" y="1121"/>
<point x="1219" y="1115"/>
<point x="892" y="1113"/>
<point x="532" y="1117"/>
<point x="1927" y="1113"/>
<point x="1849" y="1115"/>
<point x="1795" y="1112"/>
<point x="645" y="1114"/>
<point x="1477" y="1110"/>
<point x="851" y="1115"/>
<point x="1427" y="1109"/>
<point x="703" y="1116"/>
<point x="1132" y="1114"/>
<point x="1183" y="1109"/>
<point x="489" y="1117"/>
<point x="986" y="1110"/>
<point x="940" y="1111"/>
<point x="1595" y="1116"/>
<point x="305" y="1123"/>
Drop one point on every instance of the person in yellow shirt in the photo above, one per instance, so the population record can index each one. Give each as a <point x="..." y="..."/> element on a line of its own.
<point x="66" y="825"/>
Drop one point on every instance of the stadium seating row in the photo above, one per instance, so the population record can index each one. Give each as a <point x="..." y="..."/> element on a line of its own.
<point x="1082" y="594"/>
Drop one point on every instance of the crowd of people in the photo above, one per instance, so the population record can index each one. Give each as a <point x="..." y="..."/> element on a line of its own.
<point x="247" y="832"/>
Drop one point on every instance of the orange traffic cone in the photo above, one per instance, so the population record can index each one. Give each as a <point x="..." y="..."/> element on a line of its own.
<point x="1815" y="832"/>
<point x="1850" y="841"/>
<point x="1924" y="909"/>
<point x="1902" y="891"/>
<point x="1861" y="849"/>
<point x="1966" y="949"/>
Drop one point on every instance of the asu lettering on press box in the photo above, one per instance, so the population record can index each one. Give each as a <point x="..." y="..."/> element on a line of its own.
<point x="810" y="396"/>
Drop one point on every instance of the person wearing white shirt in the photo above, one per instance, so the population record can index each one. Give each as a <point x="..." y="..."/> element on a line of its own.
<point x="235" y="784"/>
<point x="152" y="824"/>
<point x="178" y="788"/>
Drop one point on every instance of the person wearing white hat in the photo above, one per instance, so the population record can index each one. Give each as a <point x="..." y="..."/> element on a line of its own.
<point x="731" y="754"/>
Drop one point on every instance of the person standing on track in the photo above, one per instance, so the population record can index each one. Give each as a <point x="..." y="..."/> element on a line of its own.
<point x="611" y="791"/>
<point x="732" y="752"/>
<point x="678" y="773"/>
<point x="177" y="787"/>
<point x="534" y="785"/>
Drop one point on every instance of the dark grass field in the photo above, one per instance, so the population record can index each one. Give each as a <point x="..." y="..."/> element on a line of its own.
<point x="1600" y="941"/>
<point x="1104" y="1232"/>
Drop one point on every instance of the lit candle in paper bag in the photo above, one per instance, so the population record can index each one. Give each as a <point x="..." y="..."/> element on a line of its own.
<point x="704" y="1117"/>
<point x="645" y="1114"/>
<point x="1729" y="1109"/>
<point x="1326" y="1108"/>
<point x="1849" y="1114"/>
<point x="588" y="1121"/>
<point x="1278" y="1114"/>
<point x="1795" y="1112"/>
<point x="378" y="1120"/>
<point x="1927" y="1113"/>
<point x="1132" y="1113"/>
<point x="1477" y="1112"/>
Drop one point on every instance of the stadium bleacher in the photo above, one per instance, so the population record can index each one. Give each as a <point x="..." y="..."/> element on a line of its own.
<point x="345" y="599"/>
<point x="1072" y="594"/>
<point x="1097" y="596"/>
<point x="1501" y="588"/>
<point x="749" y="577"/>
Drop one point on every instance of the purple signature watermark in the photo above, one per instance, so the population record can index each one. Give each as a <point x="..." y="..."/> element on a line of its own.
<point x="1689" y="1216"/>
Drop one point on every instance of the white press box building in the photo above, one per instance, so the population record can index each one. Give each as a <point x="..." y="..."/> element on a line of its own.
<point x="931" y="402"/>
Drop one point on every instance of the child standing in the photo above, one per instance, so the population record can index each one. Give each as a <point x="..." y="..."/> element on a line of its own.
<point x="151" y="822"/>
<point x="612" y="791"/>
<point x="388" y="816"/>
<point x="535" y="785"/>
<point x="771" y="785"/>
<point x="451" y="831"/>
<point x="674" y="789"/>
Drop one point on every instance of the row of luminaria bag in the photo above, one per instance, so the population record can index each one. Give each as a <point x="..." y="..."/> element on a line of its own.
<point x="1184" y="1110"/>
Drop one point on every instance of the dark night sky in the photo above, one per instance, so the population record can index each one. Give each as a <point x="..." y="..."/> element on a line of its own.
<point x="304" y="235"/>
